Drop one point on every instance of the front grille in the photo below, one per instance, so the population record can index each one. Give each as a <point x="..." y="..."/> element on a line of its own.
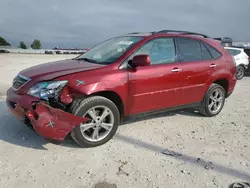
<point x="19" y="81"/>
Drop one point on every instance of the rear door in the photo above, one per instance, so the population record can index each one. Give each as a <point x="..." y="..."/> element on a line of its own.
<point x="197" y="65"/>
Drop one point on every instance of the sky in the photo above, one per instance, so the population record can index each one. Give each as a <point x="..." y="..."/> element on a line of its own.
<point x="85" y="23"/>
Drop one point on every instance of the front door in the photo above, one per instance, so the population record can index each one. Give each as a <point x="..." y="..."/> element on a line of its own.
<point x="156" y="86"/>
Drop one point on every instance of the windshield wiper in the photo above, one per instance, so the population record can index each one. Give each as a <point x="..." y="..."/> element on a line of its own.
<point x="87" y="59"/>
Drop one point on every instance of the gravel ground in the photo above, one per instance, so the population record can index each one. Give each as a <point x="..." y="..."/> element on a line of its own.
<point x="199" y="152"/>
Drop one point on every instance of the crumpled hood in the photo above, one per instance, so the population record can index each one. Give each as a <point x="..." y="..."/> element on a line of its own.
<point x="51" y="70"/>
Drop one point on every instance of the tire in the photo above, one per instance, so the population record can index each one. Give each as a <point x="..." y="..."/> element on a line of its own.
<point x="204" y="108"/>
<point x="85" y="139"/>
<point x="75" y="104"/>
<point x="240" y="72"/>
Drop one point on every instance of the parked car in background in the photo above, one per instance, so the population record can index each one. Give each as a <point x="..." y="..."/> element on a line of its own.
<point x="247" y="51"/>
<point x="242" y="61"/>
<point x="48" y="52"/>
<point x="4" y="51"/>
<point x="130" y="75"/>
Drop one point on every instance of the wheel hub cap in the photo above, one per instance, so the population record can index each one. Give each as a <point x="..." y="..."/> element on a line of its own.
<point x="100" y="124"/>
<point x="240" y="73"/>
<point x="215" y="101"/>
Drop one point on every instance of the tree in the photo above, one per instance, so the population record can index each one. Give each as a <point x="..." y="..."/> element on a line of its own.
<point x="3" y="42"/>
<point x="22" y="45"/>
<point x="36" y="44"/>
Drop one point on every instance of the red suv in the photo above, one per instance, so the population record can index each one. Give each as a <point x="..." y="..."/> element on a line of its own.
<point x="138" y="73"/>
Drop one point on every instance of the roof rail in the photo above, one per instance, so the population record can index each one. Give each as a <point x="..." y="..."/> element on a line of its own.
<point x="181" y="32"/>
<point x="138" y="34"/>
<point x="134" y="33"/>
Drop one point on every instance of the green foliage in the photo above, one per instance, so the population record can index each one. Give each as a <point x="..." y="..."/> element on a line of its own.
<point x="36" y="44"/>
<point x="22" y="45"/>
<point x="3" y="42"/>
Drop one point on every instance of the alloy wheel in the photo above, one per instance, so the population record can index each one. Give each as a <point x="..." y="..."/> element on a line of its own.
<point x="99" y="125"/>
<point x="240" y="72"/>
<point x="215" y="101"/>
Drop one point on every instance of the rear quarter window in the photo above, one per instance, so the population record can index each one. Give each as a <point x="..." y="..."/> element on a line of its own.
<point x="214" y="53"/>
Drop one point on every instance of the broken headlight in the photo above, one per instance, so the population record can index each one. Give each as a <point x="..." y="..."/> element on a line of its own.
<point x="47" y="90"/>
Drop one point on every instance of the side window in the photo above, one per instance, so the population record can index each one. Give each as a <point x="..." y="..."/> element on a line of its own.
<point x="205" y="53"/>
<point x="230" y="51"/>
<point x="233" y="52"/>
<point x="190" y="50"/>
<point x="160" y="51"/>
<point x="237" y="52"/>
<point x="214" y="53"/>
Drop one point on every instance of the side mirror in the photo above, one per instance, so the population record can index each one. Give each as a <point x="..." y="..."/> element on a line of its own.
<point x="140" y="60"/>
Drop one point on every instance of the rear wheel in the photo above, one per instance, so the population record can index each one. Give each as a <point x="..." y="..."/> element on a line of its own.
<point x="213" y="101"/>
<point x="103" y="121"/>
<point x="240" y="72"/>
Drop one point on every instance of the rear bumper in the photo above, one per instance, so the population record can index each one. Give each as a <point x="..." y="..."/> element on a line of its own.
<point x="51" y="123"/>
<point x="232" y="84"/>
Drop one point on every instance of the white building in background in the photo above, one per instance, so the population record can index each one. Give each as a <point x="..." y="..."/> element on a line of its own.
<point x="12" y="49"/>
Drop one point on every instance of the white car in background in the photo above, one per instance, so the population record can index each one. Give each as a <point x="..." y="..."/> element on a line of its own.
<point x="242" y="60"/>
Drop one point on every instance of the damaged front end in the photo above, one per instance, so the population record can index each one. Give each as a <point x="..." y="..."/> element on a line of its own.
<point x="52" y="123"/>
<point x="48" y="116"/>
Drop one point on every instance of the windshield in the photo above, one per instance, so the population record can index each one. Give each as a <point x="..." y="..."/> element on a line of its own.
<point x="110" y="50"/>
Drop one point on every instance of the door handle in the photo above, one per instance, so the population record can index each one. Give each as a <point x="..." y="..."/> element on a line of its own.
<point x="213" y="65"/>
<point x="176" y="70"/>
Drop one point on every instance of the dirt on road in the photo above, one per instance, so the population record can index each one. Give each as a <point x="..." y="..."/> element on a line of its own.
<point x="176" y="149"/>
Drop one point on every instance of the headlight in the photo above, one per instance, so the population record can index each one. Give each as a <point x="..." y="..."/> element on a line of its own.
<point x="46" y="90"/>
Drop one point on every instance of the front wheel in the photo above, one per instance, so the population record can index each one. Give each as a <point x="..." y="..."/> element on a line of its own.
<point x="213" y="101"/>
<point x="240" y="72"/>
<point x="104" y="118"/>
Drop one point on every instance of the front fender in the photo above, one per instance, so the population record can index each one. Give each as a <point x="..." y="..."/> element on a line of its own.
<point x="90" y="88"/>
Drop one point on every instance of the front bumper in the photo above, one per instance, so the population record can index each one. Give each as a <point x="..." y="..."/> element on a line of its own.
<point x="51" y="123"/>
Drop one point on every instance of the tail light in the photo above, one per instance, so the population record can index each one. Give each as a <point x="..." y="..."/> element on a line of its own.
<point x="234" y="68"/>
<point x="234" y="61"/>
